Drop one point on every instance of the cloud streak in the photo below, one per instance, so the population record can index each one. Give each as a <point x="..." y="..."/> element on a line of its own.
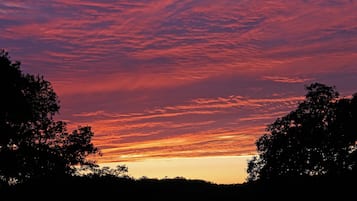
<point x="204" y="126"/>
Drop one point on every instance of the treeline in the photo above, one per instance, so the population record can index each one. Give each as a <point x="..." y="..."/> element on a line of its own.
<point x="115" y="188"/>
<point x="123" y="188"/>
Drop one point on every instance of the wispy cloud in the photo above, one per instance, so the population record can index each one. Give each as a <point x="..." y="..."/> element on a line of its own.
<point x="286" y="79"/>
<point x="203" y="126"/>
<point x="208" y="143"/>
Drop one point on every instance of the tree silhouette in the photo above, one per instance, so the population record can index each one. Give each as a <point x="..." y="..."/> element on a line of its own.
<point x="32" y="143"/>
<point x="318" y="138"/>
<point x="120" y="171"/>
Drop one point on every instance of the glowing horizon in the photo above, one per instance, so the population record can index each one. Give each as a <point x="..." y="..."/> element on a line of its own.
<point x="216" y="169"/>
<point x="181" y="79"/>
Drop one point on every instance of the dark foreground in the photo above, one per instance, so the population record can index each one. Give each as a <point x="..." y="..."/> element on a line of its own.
<point x="113" y="188"/>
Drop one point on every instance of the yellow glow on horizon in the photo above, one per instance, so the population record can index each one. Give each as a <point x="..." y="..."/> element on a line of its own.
<point x="216" y="169"/>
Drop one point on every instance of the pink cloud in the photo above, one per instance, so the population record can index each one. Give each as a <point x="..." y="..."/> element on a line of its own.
<point x="167" y="131"/>
<point x="208" y="143"/>
<point x="287" y="79"/>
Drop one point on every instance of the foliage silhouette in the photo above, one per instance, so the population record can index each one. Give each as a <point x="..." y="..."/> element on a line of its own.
<point x="318" y="138"/>
<point x="96" y="172"/>
<point x="32" y="143"/>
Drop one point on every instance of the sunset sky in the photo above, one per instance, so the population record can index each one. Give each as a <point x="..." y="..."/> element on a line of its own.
<point x="182" y="87"/>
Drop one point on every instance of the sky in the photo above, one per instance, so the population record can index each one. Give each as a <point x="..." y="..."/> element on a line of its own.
<point x="182" y="87"/>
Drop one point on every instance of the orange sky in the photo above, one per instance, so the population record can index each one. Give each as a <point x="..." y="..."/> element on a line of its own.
<point x="167" y="82"/>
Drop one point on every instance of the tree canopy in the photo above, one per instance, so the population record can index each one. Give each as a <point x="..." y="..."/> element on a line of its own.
<point x="32" y="143"/>
<point x="317" y="138"/>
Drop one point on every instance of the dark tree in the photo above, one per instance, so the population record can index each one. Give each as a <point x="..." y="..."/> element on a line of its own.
<point x="32" y="143"/>
<point x="318" y="138"/>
